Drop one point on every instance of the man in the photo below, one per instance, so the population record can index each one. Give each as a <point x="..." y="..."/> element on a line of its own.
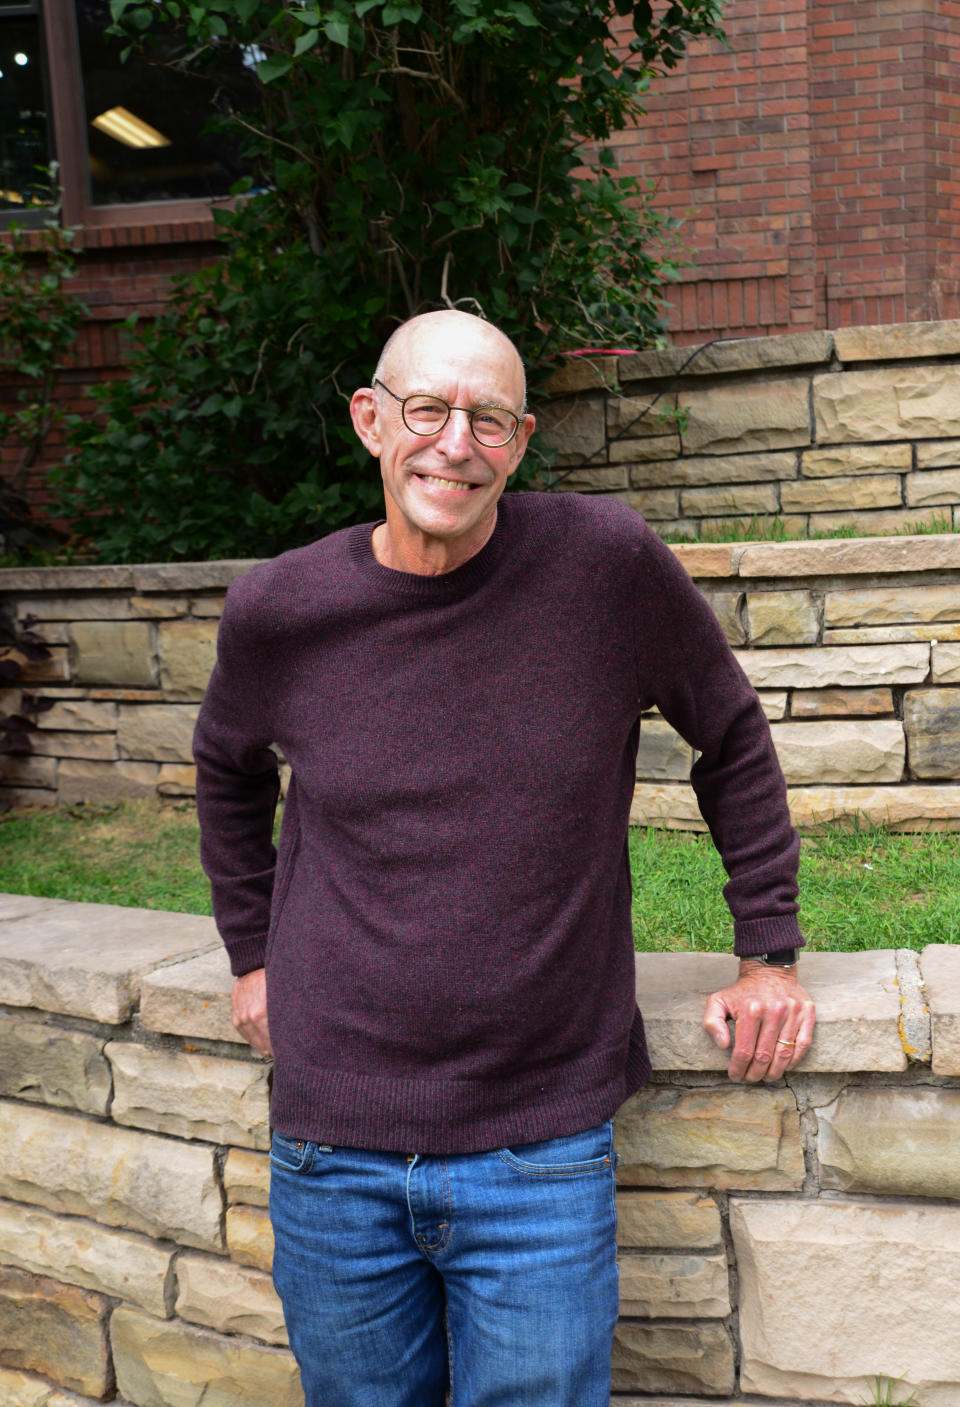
<point x="449" y="979"/>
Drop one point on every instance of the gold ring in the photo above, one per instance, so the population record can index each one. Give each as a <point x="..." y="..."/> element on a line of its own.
<point x="786" y="1042"/>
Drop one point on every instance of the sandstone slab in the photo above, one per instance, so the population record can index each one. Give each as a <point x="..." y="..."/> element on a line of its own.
<point x="887" y="403"/>
<point x="190" y="1096"/>
<point x="82" y="605"/>
<point x="662" y="754"/>
<point x="166" y="1364"/>
<point x="931" y="718"/>
<point x="89" y="959"/>
<point x="672" y="1358"/>
<point x="907" y="807"/>
<point x="821" y="666"/>
<point x="636" y="418"/>
<point x="115" y="1263"/>
<point x="113" y="652"/>
<point x="945" y="664"/>
<point x="191" y="998"/>
<point x="726" y="1137"/>
<point x="138" y="1181"/>
<point x="940" y="969"/>
<point x="28" y="796"/>
<point x="758" y="415"/>
<point x="231" y="1298"/>
<point x="726" y="606"/>
<point x="50" y="670"/>
<point x="159" y="607"/>
<point x="708" y="559"/>
<point x="705" y="470"/>
<point x="782" y="618"/>
<point x="840" y="750"/>
<point x="889" y="605"/>
<point x="609" y="478"/>
<point x="81" y="780"/>
<point x="246" y="1177"/>
<point x="188" y="652"/>
<point x="735" y="354"/>
<point x="774" y="704"/>
<point x="840" y="703"/>
<point x="732" y="503"/>
<point x="573" y="425"/>
<point x="176" y="779"/>
<point x="869" y="521"/>
<point x="80" y="716"/>
<point x="674" y="1286"/>
<point x="888" y="1274"/>
<point x="938" y="454"/>
<point x="53" y="1066"/>
<point x="842" y="460"/>
<point x="635" y="452"/>
<point x="656" y="505"/>
<point x="156" y="733"/>
<point x="909" y="339"/>
<point x="100" y="747"/>
<point x="207" y="607"/>
<point x="869" y="1141"/>
<point x="841" y="493"/>
<point x="672" y="806"/>
<point x="893" y="634"/>
<point x="190" y="576"/>
<point x="250" y="1237"/>
<point x="874" y="555"/>
<point x="658" y="1220"/>
<point x="933" y="486"/>
<point x="28" y="770"/>
<point x="54" y="1329"/>
<point x="856" y="995"/>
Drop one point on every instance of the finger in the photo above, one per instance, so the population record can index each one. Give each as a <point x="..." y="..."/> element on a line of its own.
<point x="804" y="1033"/>
<point x="763" y="1060"/>
<point x="715" y="1020"/>
<point x="745" y="1044"/>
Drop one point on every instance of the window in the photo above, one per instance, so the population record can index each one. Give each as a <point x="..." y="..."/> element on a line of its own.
<point x="129" y="137"/>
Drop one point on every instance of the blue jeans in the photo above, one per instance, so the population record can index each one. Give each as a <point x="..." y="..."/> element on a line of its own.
<point x="491" y="1275"/>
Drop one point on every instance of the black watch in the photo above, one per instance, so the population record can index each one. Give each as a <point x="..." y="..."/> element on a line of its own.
<point x="783" y="957"/>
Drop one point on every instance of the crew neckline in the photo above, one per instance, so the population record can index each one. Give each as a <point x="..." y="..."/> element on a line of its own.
<point x="442" y="587"/>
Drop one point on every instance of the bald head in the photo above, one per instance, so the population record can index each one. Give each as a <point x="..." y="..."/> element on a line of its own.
<point x="448" y="334"/>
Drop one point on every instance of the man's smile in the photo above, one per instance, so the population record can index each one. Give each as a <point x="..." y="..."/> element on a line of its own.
<point x="456" y="484"/>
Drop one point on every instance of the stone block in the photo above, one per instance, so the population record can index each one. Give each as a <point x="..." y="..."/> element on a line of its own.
<point x="89" y="959"/>
<point x="609" y="478"/>
<point x="583" y="373"/>
<point x="705" y="470"/>
<point x="840" y="703"/>
<point x="176" y="779"/>
<point x="945" y="664"/>
<point x="66" y="579"/>
<point x="634" y="416"/>
<point x="250" y="1237"/>
<point x="841" y="494"/>
<point x="191" y="998"/>
<point x="188" y="652"/>
<point x="840" y="558"/>
<point x="888" y="1274"/>
<point x="940" y="969"/>
<point x="758" y="415"/>
<point x="191" y="1096"/>
<point x="723" y="1137"/>
<point x="662" y="754"/>
<point x="28" y="796"/>
<point x="52" y="632"/>
<point x="157" y="732"/>
<point x="910" y="339"/>
<point x="98" y="747"/>
<point x="207" y="607"/>
<point x="841" y="751"/>
<point x="55" y="1329"/>
<point x="113" y="652"/>
<point x="79" y="779"/>
<point x="889" y="605"/>
<point x="782" y="618"/>
<point x="654" y="504"/>
<point x="774" y="704"/>
<point x="25" y="769"/>
<point x="825" y="666"/>
<point x="707" y="559"/>
<point x="190" y="576"/>
<point x="674" y="1286"/>
<point x="158" y="1186"/>
<point x="869" y="521"/>
<point x="159" y="607"/>
<point x="574" y="426"/>
<point x="53" y="1066"/>
<point x="737" y="354"/>
<point x="82" y="606"/>
<point x="115" y="1263"/>
<point x="900" y="1142"/>
<point x="842" y="460"/>
<point x="246" y="1177"/>
<point x="931" y="718"/>
<point x="725" y="502"/>
<point x="51" y="670"/>
<point x="656" y="1220"/>
<point x="79" y="716"/>
<point x="932" y="486"/>
<point x="636" y="452"/>
<point x="887" y="403"/>
<point x="670" y="807"/>
<point x="167" y="1364"/>
<point x="672" y="1358"/>
<point x="902" y="808"/>
<point x="893" y="634"/>
<point x="231" y="1298"/>
<point x="726" y="606"/>
<point x="938" y="454"/>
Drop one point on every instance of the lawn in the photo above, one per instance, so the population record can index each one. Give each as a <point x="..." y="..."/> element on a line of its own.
<point x="859" y="889"/>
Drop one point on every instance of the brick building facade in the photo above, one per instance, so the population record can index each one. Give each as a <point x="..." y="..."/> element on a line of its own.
<point x="816" y="160"/>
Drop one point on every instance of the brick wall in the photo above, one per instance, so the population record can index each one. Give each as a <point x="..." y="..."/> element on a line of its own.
<point x="816" y="160"/>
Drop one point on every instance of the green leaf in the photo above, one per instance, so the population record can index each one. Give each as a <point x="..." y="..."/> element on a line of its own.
<point x="305" y="42"/>
<point x="337" y="31"/>
<point x="274" y="67"/>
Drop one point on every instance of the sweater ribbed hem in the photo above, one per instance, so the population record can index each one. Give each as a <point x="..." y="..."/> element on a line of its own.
<point x="438" y="1117"/>
<point x="766" y="935"/>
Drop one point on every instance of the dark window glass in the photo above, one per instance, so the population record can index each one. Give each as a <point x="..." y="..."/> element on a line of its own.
<point x="145" y="121"/>
<point x="24" y="139"/>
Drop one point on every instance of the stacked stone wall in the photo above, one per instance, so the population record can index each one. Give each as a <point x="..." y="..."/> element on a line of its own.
<point x="792" y="1241"/>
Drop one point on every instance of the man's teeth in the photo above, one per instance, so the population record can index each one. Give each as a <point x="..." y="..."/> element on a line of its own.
<point x="446" y="483"/>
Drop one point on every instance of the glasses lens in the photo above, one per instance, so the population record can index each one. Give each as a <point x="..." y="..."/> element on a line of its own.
<point x="493" y="426"/>
<point x="425" y="415"/>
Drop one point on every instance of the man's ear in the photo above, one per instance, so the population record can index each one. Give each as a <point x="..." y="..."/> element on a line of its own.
<point x="524" y="431"/>
<point x="366" y="419"/>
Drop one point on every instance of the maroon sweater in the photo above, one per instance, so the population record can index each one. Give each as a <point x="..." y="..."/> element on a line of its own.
<point x="446" y="929"/>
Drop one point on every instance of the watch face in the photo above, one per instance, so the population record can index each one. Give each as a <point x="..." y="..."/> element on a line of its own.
<point x="783" y="957"/>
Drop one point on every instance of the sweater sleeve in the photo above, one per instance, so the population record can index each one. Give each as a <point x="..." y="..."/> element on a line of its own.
<point x="702" y="691"/>
<point x="237" y="789"/>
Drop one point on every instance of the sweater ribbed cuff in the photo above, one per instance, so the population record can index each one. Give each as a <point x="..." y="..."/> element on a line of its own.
<point x="766" y="935"/>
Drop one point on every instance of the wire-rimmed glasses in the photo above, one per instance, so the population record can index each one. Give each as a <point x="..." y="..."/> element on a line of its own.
<point x="490" y="425"/>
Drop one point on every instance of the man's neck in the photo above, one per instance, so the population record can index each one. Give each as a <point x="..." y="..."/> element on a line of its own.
<point x="427" y="556"/>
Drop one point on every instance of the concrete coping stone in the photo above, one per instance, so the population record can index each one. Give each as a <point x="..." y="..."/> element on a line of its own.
<point x="88" y="960"/>
<point x="149" y="576"/>
<point x="940" y="970"/>
<point x="856" y="994"/>
<point x="730" y="354"/>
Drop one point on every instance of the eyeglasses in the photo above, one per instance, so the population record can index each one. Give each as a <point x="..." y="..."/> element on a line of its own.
<point x="490" y="425"/>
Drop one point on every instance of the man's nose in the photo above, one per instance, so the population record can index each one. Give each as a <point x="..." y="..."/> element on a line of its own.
<point x="456" y="437"/>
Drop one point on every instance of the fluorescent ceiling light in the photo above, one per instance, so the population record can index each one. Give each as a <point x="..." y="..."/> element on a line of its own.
<point x="124" y="127"/>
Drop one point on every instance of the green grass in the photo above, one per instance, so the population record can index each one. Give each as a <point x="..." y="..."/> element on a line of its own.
<point x="860" y="888"/>
<point x="771" y="527"/>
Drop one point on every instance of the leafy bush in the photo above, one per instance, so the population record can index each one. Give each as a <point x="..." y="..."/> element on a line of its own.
<point x="410" y="156"/>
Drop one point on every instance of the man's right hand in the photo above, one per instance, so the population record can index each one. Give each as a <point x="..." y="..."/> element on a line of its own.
<point x="250" y="1010"/>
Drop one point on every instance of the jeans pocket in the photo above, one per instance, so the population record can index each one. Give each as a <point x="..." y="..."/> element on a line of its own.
<point x="570" y="1156"/>
<point x="294" y="1155"/>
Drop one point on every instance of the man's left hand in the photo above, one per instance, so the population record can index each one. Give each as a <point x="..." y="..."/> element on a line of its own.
<point x="774" y="1021"/>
